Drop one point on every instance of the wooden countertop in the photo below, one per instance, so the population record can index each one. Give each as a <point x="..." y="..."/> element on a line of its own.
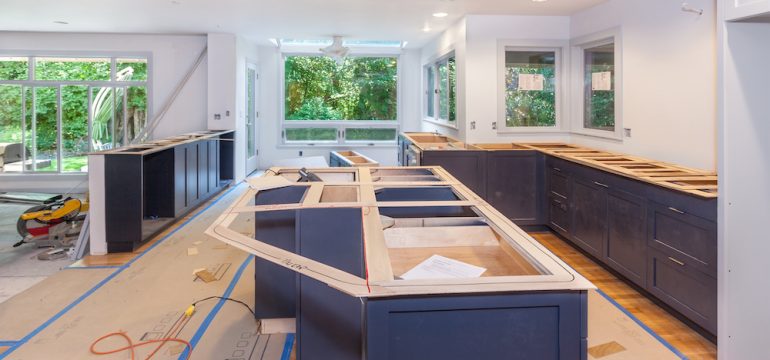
<point x="691" y="181"/>
<point x="163" y="144"/>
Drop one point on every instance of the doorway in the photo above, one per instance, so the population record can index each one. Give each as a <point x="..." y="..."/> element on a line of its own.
<point x="252" y="116"/>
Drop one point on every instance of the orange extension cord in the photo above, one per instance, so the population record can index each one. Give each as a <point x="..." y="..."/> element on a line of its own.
<point x="131" y="346"/>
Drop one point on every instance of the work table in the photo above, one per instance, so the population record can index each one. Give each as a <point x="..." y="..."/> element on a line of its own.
<point x="675" y="177"/>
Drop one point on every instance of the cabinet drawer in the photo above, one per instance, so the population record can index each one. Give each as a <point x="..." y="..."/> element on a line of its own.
<point x="559" y="182"/>
<point x="558" y="214"/>
<point x="693" y="240"/>
<point x="689" y="291"/>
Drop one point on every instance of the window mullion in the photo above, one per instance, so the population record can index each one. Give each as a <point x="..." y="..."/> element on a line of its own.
<point x="59" y="129"/>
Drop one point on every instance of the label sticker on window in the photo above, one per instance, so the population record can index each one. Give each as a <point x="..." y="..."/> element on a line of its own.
<point x="601" y="81"/>
<point x="531" y="82"/>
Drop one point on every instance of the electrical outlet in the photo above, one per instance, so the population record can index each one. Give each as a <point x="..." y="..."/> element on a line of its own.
<point x="217" y="117"/>
<point x="473" y="125"/>
<point x="300" y="153"/>
<point x="627" y="131"/>
<point x="494" y="125"/>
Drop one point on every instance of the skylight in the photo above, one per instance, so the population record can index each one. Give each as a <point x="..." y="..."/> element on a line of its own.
<point x="352" y="43"/>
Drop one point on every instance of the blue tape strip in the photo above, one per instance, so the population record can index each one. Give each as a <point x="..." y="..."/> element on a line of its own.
<point x="287" y="346"/>
<point x="7" y="343"/>
<point x="214" y="311"/>
<point x="120" y="269"/>
<point x="640" y="323"/>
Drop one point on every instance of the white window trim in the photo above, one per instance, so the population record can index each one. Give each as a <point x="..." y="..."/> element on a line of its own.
<point x="434" y="62"/>
<point x="578" y="59"/>
<point x="561" y="48"/>
<point x="112" y="82"/>
<point x="339" y="125"/>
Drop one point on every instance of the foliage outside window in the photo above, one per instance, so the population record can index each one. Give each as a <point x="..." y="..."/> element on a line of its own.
<point x="48" y="114"/>
<point x="599" y="87"/>
<point x="530" y="88"/>
<point x="441" y="90"/>
<point x="356" y="100"/>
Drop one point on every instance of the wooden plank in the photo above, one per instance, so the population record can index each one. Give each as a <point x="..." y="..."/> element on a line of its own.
<point x="278" y="326"/>
<point x="376" y="251"/>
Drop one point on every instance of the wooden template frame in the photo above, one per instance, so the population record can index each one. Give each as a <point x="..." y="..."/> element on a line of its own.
<point x="381" y="282"/>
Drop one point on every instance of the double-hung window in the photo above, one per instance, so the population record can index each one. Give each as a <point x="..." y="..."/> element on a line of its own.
<point x="350" y="101"/>
<point x="55" y="109"/>
<point x="441" y="90"/>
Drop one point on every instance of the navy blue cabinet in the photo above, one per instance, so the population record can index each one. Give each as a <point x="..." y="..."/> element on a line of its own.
<point x="468" y="166"/>
<point x="589" y="215"/>
<point x="514" y="185"/>
<point x="626" y="247"/>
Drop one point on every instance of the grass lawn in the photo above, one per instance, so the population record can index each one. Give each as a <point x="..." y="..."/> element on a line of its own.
<point x="70" y="164"/>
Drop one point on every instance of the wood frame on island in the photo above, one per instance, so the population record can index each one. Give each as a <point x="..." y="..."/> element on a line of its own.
<point x="333" y="260"/>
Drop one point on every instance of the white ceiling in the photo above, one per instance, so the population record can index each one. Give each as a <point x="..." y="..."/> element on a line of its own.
<point x="259" y="20"/>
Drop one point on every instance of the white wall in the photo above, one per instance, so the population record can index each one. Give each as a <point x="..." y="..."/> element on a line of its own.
<point x="482" y="69"/>
<point x="172" y="57"/>
<point x="669" y="81"/>
<point x="270" y="144"/>
<point x="744" y="194"/>
<point x="228" y="55"/>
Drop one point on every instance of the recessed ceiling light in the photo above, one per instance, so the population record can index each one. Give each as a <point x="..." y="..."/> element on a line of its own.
<point x="426" y="28"/>
<point x="440" y="14"/>
<point x="61" y="22"/>
<point x="539" y="0"/>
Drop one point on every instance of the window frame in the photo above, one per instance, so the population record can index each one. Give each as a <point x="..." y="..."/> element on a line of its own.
<point x="434" y="64"/>
<point x="33" y="83"/>
<point x="579" y="45"/>
<point x="561" y="50"/>
<point x="339" y="125"/>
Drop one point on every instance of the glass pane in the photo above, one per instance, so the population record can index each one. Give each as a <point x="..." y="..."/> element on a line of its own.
<point x="361" y="88"/>
<point x="10" y="127"/>
<point x="119" y="134"/>
<point x="251" y="112"/>
<point x="443" y="90"/>
<point x="136" y="110"/>
<point x="13" y="68"/>
<point x="44" y="129"/>
<point x="131" y="69"/>
<point x="370" y="134"/>
<point x="599" y="88"/>
<point x="311" y="134"/>
<point x="74" y="128"/>
<point x="103" y="113"/>
<point x="452" y="70"/>
<point x="530" y="88"/>
<point x="431" y="91"/>
<point x="72" y="69"/>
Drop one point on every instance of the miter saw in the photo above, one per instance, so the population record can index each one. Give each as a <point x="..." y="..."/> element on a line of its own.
<point x="56" y="223"/>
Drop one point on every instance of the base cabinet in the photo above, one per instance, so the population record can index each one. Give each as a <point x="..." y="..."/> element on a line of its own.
<point x="589" y="216"/>
<point x="514" y="185"/>
<point x="626" y="248"/>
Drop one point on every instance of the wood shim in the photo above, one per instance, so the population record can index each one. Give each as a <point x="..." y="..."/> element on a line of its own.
<point x="556" y="275"/>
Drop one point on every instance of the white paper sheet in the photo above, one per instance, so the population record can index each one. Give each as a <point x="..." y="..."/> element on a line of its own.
<point x="531" y="82"/>
<point x="440" y="267"/>
<point x="601" y="81"/>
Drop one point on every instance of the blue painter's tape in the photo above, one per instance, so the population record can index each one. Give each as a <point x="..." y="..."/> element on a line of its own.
<point x="213" y="313"/>
<point x="287" y="346"/>
<point x="120" y="269"/>
<point x="645" y="327"/>
<point x="7" y="343"/>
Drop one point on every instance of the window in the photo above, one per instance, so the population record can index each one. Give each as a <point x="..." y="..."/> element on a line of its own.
<point x="441" y="90"/>
<point x="57" y="109"/>
<point x="597" y="85"/>
<point x="355" y="101"/>
<point x="530" y="88"/>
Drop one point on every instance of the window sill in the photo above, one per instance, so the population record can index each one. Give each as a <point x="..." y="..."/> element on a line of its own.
<point x="606" y="135"/>
<point x="336" y="145"/>
<point x="445" y="124"/>
<point x="532" y="130"/>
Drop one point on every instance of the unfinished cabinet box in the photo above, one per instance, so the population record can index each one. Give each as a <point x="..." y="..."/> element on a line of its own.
<point x="350" y="159"/>
<point x="148" y="186"/>
<point x="351" y="244"/>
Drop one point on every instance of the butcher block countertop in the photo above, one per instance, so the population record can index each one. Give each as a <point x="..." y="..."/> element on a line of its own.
<point x="692" y="181"/>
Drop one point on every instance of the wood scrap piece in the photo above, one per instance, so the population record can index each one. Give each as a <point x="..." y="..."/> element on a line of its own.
<point x="278" y="326"/>
<point x="205" y="275"/>
<point x="606" y="349"/>
<point x="191" y="251"/>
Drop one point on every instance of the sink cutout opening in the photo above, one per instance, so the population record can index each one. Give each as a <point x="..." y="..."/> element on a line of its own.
<point x="339" y="194"/>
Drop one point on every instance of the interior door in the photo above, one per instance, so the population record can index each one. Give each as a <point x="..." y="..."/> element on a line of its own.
<point x="252" y="115"/>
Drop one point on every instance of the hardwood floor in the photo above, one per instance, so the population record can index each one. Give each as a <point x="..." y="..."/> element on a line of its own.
<point x="682" y="337"/>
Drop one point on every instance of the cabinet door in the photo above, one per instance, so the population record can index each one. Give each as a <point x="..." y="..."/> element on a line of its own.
<point x="514" y="185"/>
<point x="192" y="174"/>
<point x="589" y="215"/>
<point x="180" y="180"/>
<point x="213" y="165"/>
<point x="626" y="249"/>
<point x="559" y="214"/>
<point x="203" y="169"/>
